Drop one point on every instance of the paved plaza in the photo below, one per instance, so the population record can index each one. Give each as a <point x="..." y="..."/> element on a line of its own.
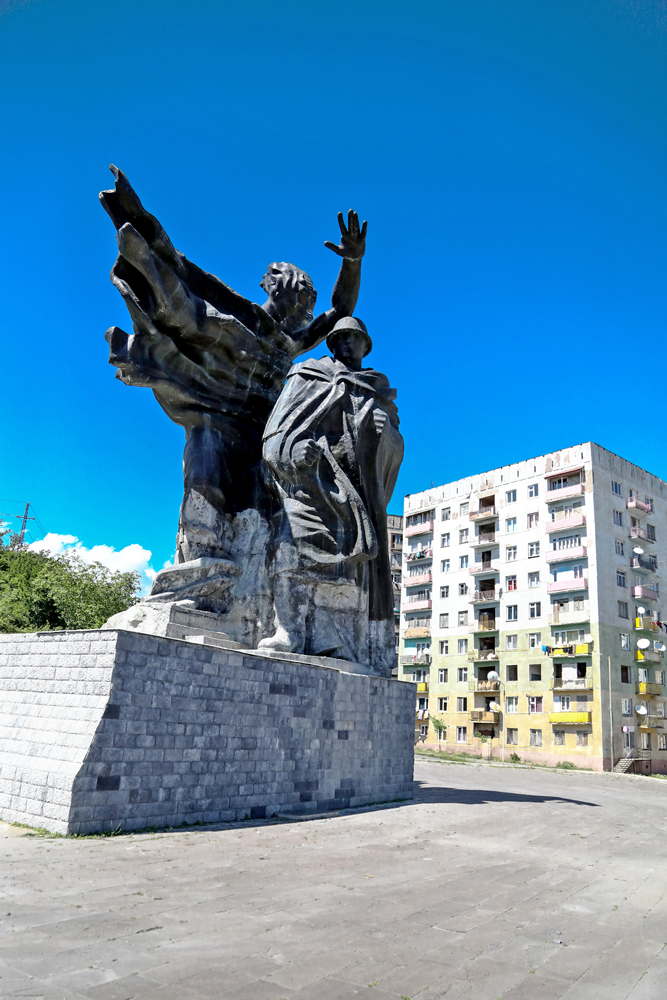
<point x="494" y="882"/>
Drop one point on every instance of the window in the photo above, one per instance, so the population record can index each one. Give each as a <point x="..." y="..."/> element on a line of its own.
<point x="579" y="603"/>
<point x="422" y="704"/>
<point x="510" y="583"/>
<point x="625" y="640"/>
<point x="462" y="672"/>
<point x="442" y="735"/>
<point x="621" y="579"/>
<point x="533" y="520"/>
<point x="423" y="730"/>
<point x="623" y="609"/>
<point x="626" y="706"/>
<point x="461" y="734"/>
<point x="510" y="553"/>
<point x="559" y="737"/>
<point x="535" y="609"/>
<point x="463" y="646"/>
<point x="512" y="672"/>
<point x="512" y="612"/>
<point x="536" y="737"/>
<point x="444" y="650"/>
<point x="511" y="641"/>
<point x="534" y="640"/>
<point x="444" y="621"/>
<point x="444" y="591"/>
<point x="533" y="550"/>
<point x="660" y="677"/>
<point x="444" y="565"/>
<point x="535" y="705"/>
<point x="616" y="488"/>
<point x="463" y="617"/>
<point x="510" y="496"/>
<point x="446" y="514"/>
<point x="512" y="737"/>
<point x="642" y="675"/>
<point x="463" y="589"/>
<point x="645" y="740"/>
<point x="650" y="532"/>
<point x="536" y="675"/>
<point x="444" y="540"/>
<point x="442" y="675"/>
<point x="662" y="741"/>
<point x="618" y="518"/>
<point x="442" y="704"/>
<point x="463" y="536"/>
<point x="463" y="562"/>
<point x="582" y="738"/>
<point x="512" y="705"/>
<point x="510" y="524"/>
<point x="619" y="548"/>
<point x="534" y="490"/>
<point x="625" y="675"/>
<point x="660" y="709"/>
<point x="461" y="704"/>
<point x="533" y="580"/>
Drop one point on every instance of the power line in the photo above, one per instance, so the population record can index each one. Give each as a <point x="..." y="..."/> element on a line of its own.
<point x="24" y="518"/>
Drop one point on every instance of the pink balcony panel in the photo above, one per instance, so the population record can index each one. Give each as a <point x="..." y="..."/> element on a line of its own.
<point x="562" y="555"/>
<point x="417" y="605"/>
<point x="558" y="586"/>
<point x="637" y="504"/>
<point x="566" y="491"/>
<point x="418" y="529"/>
<point x="565" y="523"/>
<point x="645" y="593"/>
<point x="415" y="581"/>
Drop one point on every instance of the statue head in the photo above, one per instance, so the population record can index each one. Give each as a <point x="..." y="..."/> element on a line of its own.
<point x="349" y="341"/>
<point x="291" y="295"/>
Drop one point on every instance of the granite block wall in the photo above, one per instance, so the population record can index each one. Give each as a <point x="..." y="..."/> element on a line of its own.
<point x="100" y="729"/>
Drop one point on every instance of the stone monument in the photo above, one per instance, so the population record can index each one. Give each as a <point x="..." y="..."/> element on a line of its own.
<point x="255" y="678"/>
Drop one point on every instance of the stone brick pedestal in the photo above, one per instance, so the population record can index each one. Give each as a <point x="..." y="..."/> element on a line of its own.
<point x="102" y="729"/>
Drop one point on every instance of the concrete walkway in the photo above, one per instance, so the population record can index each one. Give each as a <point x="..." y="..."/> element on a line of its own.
<point x="494" y="882"/>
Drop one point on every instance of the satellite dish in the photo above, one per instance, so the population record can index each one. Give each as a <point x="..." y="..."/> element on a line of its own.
<point x="643" y="643"/>
<point x="642" y="611"/>
<point x="638" y="551"/>
<point x="641" y="710"/>
<point x="493" y="675"/>
<point x="494" y="706"/>
<point x="660" y="646"/>
<point x="588" y="637"/>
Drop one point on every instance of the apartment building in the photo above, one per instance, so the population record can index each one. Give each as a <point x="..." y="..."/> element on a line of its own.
<point x="531" y="611"/>
<point x="395" y="544"/>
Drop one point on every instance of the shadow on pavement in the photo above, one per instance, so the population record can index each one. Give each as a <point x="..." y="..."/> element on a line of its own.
<point x="480" y="796"/>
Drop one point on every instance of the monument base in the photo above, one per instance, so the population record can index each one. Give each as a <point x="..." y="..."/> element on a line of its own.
<point x="105" y="729"/>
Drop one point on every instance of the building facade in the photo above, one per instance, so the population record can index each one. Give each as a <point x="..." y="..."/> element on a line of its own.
<point x="395" y="541"/>
<point x="530" y="612"/>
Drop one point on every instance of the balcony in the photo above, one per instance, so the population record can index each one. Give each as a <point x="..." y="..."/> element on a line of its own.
<point x="422" y="687"/>
<point x="480" y="541"/>
<point x="418" y="632"/>
<point x="566" y="523"/>
<point x="570" y="718"/>
<point x="415" y="659"/>
<point x="484" y="596"/>
<point x="572" y="683"/>
<point x="641" y="562"/>
<point x="646" y="593"/>
<point x="482" y="512"/>
<point x="647" y="655"/>
<point x="419" y="529"/>
<point x="570" y="617"/>
<point x="552" y="496"/>
<point x="562" y="555"/>
<point x="646" y="687"/>
<point x="476" y="684"/>
<point x="651" y="722"/>
<point x="416" y="581"/>
<point x="478" y="568"/>
<point x="422" y="554"/>
<point x="483" y="627"/>
<point x="646" y="624"/>
<point x="479" y="716"/>
<point x="483" y="655"/>
<point x="423" y="605"/>
<point x="572" y="649"/>
<point x="561" y="586"/>
<point x="637" y="532"/>
<point x="637" y="504"/>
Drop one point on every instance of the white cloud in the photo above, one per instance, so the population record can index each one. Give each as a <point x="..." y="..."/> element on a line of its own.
<point x="131" y="558"/>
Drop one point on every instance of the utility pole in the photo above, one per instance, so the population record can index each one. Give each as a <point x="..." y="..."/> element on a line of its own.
<point x="24" y="520"/>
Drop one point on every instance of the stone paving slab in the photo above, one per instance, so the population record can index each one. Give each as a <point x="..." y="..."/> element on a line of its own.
<point x="493" y="882"/>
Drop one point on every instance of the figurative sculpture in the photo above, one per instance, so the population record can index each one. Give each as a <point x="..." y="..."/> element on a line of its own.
<point x="216" y="363"/>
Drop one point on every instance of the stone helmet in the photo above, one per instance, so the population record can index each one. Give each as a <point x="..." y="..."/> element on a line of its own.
<point x="350" y="323"/>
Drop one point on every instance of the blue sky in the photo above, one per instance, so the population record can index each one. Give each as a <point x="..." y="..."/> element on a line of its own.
<point x="510" y="158"/>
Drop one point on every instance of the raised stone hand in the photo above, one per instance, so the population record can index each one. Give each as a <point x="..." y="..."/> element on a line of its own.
<point x="380" y="420"/>
<point x="306" y="453"/>
<point x="352" y="239"/>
